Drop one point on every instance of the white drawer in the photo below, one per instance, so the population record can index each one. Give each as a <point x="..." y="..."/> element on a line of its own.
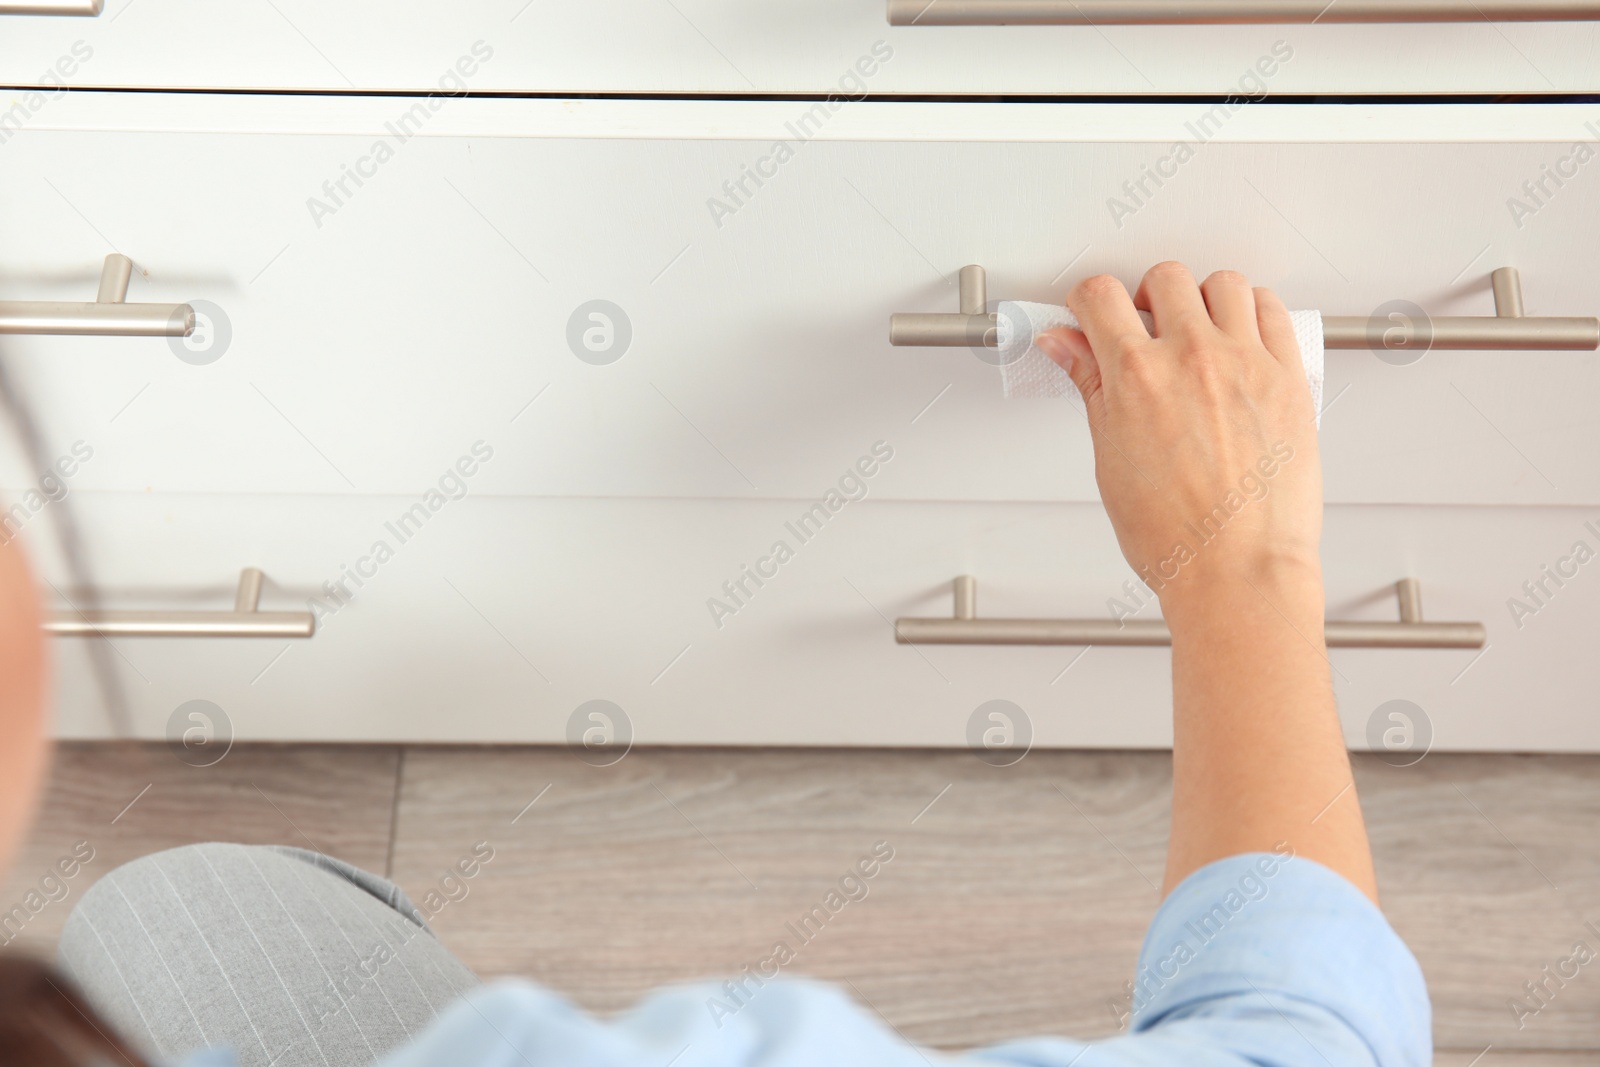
<point x="498" y="617"/>
<point x="777" y="46"/>
<point x="373" y="336"/>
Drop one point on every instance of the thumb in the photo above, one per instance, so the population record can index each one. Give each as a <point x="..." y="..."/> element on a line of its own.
<point x="1070" y="349"/>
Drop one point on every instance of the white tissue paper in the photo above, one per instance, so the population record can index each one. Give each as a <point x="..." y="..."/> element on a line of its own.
<point x="1025" y="371"/>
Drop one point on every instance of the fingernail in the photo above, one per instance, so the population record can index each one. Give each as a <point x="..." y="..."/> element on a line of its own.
<point x="1056" y="348"/>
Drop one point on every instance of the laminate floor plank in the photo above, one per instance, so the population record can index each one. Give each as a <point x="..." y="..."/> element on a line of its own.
<point x="1014" y="903"/>
<point x="123" y="801"/>
<point x="1489" y="866"/>
<point x="1016" y="899"/>
<point x="677" y="864"/>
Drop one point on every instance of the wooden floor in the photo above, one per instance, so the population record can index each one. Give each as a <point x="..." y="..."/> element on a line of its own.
<point x="1014" y="904"/>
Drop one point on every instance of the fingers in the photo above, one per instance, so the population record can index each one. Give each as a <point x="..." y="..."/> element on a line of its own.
<point x="1232" y="304"/>
<point x="1277" y="331"/>
<point x="1071" y="351"/>
<point x="1169" y="292"/>
<point x="1107" y="318"/>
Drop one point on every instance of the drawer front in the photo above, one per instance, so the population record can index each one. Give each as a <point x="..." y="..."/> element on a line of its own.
<point x="783" y="46"/>
<point x="365" y="333"/>
<point x="496" y="618"/>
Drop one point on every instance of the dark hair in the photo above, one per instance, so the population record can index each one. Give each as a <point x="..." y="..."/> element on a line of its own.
<point x="44" y="1022"/>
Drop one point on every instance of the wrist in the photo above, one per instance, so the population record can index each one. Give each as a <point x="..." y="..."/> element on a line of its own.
<point x="1290" y="582"/>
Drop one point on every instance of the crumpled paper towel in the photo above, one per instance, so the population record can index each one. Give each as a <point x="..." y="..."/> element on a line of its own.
<point x="1025" y="371"/>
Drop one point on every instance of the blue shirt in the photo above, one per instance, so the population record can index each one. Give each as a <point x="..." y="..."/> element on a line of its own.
<point x="1258" y="960"/>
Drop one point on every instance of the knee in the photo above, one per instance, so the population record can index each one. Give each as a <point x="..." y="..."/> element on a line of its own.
<point x="112" y="897"/>
<point x="154" y="869"/>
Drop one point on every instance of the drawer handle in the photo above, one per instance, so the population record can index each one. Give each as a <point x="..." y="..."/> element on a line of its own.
<point x="1506" y="329"/>
<point x="1205" y="12"/>
<point x="108" y="316"/>
<point x="965" y="628"/>
<point x="245" y="620"/>
<point x="51" y="7"/>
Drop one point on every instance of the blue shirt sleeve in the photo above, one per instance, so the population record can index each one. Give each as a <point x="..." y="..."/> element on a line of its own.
<point x="1258" y="960"/>
<point x="1283" y="961"/>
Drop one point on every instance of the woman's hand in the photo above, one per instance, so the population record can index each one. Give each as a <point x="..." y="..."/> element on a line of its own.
<point x="1205" y="438"/>
<point x="1205" y="449"/>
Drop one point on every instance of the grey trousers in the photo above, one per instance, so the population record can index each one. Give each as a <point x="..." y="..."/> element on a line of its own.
<point x="288" y="957"/>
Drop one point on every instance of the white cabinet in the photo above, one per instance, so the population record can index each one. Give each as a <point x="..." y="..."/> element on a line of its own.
<point x="377" y="325"/>
<point x="390" y="286"/>
<point x="776" y="46"/>
<point x="496" y="618"/>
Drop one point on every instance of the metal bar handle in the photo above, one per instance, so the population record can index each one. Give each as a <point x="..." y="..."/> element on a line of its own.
<point x="1222" y="12"/>
<point x="964" y="627"/>
<point x="245" y="620"/>
<point x="51" y="7"/>
<point x="108" y="316"/>
<point x="1508" y="329"/>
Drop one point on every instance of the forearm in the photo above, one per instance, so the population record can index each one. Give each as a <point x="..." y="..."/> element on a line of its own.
<point x="1258" y="755"/>
<point x="1204" y="427"/>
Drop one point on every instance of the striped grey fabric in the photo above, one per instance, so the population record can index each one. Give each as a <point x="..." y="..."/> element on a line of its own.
<point x="289" y="957"/>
